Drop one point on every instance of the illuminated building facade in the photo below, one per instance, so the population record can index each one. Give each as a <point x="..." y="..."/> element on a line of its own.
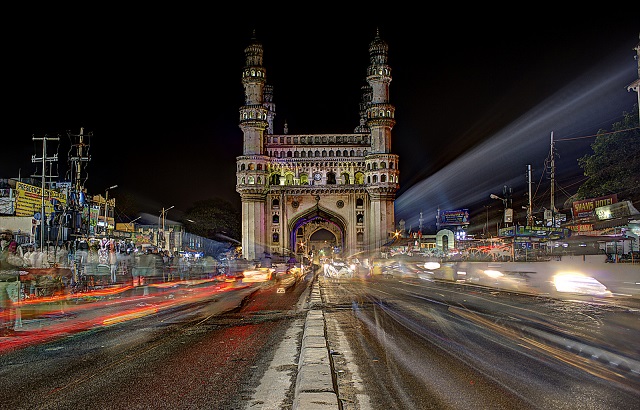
<point x="295" y="186"/>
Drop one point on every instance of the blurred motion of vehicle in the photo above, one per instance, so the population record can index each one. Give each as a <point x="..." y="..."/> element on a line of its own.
<point x="579" y="284"/>
<point x="258" y="275"/>
<point x="338" y="269"/>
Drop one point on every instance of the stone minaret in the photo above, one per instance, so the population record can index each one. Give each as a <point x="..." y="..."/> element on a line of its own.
<point x="382" y="175"/>
<point x="251" y="171"/>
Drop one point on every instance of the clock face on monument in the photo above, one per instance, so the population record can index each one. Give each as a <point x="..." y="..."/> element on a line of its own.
<point x="317" y="177"/>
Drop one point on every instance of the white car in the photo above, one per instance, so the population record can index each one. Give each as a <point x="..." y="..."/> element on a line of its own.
<point x="338" y="270"/>
<point x="258" y="275"/>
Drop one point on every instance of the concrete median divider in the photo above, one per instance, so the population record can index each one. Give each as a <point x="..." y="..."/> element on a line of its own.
<point x="315" y="389"/>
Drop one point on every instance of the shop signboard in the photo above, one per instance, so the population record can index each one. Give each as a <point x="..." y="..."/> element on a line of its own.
<point x="29" y="199"/>
<point x="586" y="208"/>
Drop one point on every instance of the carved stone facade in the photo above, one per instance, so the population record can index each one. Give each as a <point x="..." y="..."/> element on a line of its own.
<point x="302" y="192"/>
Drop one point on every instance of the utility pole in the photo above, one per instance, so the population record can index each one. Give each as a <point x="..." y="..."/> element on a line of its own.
<point x="44" y="159"/>
<point x="553" y="184"/>
<point x="486" y="225"/>
<point x="164" y="217"/>
<point x="81" y="156"/>
<point x="106" y="206"/>
<point x="420" y="231"/>
<point x="529" y="206"/>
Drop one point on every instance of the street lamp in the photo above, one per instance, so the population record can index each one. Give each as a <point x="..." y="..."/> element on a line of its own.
<point x="486" y="225"/>
<point x="164" y="217"/>
<point x="106" y="205"/>
<point x="508" y="216"/>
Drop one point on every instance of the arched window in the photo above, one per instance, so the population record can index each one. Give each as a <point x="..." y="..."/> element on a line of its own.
<point x="288" y="179"/>
<point x="352" y="153"/>
<point x="359" y="237"/>
<point x="324" y="153"/>
<point x="383" y="178"/>
<point x="303" y="154"/>
<point x="375" y="165"/>
<point x="242" y="167"/>
<point x="338" y="153"/>
<point x="331" y="178"/>
<point x="296" y="154"/>
<point x="359" y="178"/>
<point x="317" y="153"/>
<point x="289" y="154"/>
<point x="259" y="167"/>
<point x="359" y="218"/>
<point x="276" y="219"/>
<point x="275" y="203"/>
<point x="276" y="237"/>
<point x="331" y="153"/>
<point x="251" y="180"/>
<point x="375" y="179"/>
<point x="383" y="165"/>
<point x="359" y="202"/>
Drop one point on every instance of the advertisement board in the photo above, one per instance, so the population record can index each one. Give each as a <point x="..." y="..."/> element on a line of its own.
<point x="456" y="217"/>
<point x="29" y="199"/>
<point x="586" y="208"/>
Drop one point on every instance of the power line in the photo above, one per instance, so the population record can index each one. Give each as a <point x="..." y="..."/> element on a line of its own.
<point x="595" y="135"/>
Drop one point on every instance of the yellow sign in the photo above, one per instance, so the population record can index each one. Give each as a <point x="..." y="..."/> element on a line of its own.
<point x="29" y="199"/>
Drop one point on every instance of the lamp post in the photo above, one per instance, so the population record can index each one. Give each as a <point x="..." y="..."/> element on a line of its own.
<point x="504" y="201"/>
<point x="106" y="205"/>
<point x="486" y="225"/>
<point x="164" y="217"/>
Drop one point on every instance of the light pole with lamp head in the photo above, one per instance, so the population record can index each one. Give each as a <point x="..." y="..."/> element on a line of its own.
<point x="486" y="225"/>
<point x="164" y="217"/>
<point x="106" y="205"/>
<point x="507" y="218"/>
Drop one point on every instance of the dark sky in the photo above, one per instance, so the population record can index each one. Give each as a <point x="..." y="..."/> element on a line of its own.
<point x="160" y="90"/>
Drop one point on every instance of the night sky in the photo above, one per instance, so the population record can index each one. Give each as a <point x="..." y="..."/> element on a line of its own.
<point x="161" y="89"/>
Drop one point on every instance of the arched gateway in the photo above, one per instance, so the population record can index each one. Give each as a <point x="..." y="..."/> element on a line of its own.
<point x="323" y="192"/>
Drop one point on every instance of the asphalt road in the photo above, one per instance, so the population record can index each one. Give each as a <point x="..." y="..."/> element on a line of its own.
<point x="415" y="344"/>
<point x="401" y="343"/>
<point x="195" y="348"/>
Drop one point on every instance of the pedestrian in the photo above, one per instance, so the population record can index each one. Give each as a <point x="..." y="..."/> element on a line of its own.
<point x="113" y="261"/>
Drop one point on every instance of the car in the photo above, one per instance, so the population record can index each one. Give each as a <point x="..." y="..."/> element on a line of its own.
<point x="258" y="275"/>
<point x="338" y="269"/>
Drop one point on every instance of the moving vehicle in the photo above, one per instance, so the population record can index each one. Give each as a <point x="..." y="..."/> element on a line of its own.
<point x="258" y="275"/>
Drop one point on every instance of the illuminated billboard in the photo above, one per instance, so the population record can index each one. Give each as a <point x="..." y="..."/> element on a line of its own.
<point x="587" y="207"/>
<point x="457" y="217"/>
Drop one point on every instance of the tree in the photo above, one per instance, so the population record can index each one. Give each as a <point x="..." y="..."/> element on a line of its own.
<point x="614" y="167"/>
<point x="215" y="219"/>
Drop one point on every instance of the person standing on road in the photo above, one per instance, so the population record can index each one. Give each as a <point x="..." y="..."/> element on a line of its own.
<point x="113" y="260"/>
